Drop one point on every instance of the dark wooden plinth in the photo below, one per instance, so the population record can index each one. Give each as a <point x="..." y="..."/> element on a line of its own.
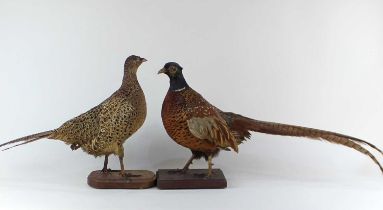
<point x="192" y="179"/>
<point x="136" y="179"/>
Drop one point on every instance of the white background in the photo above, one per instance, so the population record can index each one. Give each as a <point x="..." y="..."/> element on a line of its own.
<point x="312" y="63"/>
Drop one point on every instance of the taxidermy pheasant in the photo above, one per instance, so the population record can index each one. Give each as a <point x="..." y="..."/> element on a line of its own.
<point x="193" y="122"/>
<point x="103" y="129"/>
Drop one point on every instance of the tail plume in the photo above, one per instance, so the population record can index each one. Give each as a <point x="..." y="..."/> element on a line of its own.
<point x="26" y="139"/>
<point x="243" y="125"/>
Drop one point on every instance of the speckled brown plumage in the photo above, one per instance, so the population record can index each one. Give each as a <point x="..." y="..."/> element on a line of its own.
<point x="194" y="123"/>
<point x="103" y="129"/>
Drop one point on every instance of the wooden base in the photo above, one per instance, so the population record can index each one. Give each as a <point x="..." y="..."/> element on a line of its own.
<point x="136" y="179"/>
<point x="192" y="179"/>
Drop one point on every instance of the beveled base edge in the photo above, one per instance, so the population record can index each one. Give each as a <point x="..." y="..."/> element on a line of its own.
<point x="192" y="179"/>
<point x="136" y="179"/>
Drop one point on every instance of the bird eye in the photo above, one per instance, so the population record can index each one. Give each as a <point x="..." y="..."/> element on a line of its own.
<point x="172" y="70"/>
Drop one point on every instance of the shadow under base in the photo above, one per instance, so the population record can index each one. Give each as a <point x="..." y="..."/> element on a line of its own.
<point x="136" y="179"/>
<point x="191" y="179"/>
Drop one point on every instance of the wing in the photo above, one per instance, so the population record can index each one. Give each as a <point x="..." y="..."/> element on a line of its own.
<point x="204" y="121"/>
<point x="214" y="130"/>
<point x="82" y="128"/>
<point x="114" y="124"/>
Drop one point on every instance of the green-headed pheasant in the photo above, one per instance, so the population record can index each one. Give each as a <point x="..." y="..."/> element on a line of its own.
<point x="193" y="122"/>
<point x="104" y="129"/>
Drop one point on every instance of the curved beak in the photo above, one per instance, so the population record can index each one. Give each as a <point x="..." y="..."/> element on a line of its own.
<point x="162" y="71"/>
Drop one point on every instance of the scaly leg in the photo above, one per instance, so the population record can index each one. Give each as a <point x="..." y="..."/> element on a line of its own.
<point x="105" y="168"/>
<point x="210" y="165"/>
<point x="190" y="161"/>
<point x="122" y="173"/>
<point x="120" y="154"/>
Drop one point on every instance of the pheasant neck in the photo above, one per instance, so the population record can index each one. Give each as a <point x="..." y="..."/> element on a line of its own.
<point x="178" y="83"/>
<point x="130" y="77"/>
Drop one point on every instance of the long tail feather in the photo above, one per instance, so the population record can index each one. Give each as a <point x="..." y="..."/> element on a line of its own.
<point x="26" y="139"/>
<point x="243" y="125"/>
<point x="361" y="141"/>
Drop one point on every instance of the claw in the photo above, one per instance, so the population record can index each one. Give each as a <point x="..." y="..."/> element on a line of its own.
<point x="123" y="174"/>
<point x="106" y="170"/>
<point x="183" y="171"/>
<point x="178" y="171"/>
<point x="128" y="175"/>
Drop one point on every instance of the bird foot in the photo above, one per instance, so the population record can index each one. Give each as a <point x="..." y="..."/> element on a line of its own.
<point x="128" y="175"/>
<point x="209" y="174"/>
<point x="106" y="170"/>
<point x="75" y="146"/>
<point x="178" y="171"/>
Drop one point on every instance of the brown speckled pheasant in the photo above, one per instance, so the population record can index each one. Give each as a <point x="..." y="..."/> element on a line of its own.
<point x="193" y="122"/>
<point x="103" y="129"/>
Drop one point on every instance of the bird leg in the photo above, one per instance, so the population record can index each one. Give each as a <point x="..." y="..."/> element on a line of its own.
<point x="105" y="168"/>
<point x="210" y="165"/>
<point x="190" y="161"/>
<point x="122" y="173"/>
